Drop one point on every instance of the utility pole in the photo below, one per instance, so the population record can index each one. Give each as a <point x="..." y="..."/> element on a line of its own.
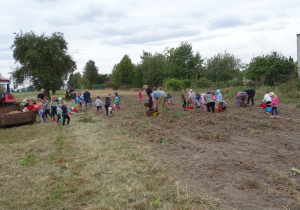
<point x="298" y="54"/>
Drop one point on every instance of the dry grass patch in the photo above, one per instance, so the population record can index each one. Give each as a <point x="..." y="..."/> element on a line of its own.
<point x="87" y="165"/>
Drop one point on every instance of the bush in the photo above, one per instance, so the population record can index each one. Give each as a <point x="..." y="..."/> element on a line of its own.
<point x="187" y="83"/>
<point x="173" y="84"/>
<point x="202" y="83"/>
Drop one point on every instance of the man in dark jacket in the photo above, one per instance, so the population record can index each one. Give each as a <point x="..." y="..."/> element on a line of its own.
<point x="149" y="93"/>
<point x="251" y="94"/>
<point x="87" y="98"/>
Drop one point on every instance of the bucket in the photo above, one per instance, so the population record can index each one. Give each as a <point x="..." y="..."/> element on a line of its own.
<point x="109" y="109"/>
<point x="268" y="109"/>
<point x="146" y="104"/>
<point x="190" y="107"/>
<point x="150" y="113"/>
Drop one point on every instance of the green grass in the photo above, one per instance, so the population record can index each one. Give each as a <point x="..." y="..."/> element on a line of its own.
<point x="165" y="141"/>
<point x="263" y="123"/>
<point x="29" y="160"/>
<point x="178" y="115"/>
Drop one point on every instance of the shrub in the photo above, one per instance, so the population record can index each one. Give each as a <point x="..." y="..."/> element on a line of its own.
<point x="173" y="84"/>
<point x="202" y="83"/>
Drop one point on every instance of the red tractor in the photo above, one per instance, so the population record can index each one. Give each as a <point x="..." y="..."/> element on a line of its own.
<point x="6" y="98"/>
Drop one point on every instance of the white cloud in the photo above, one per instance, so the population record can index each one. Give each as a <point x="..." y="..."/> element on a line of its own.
<point x="104" y="31"/>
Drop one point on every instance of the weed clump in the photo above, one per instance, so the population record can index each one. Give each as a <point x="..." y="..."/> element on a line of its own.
<point x="86" y="119"/>
<point x="29" y="160"/>
<point x="263" y="124"/>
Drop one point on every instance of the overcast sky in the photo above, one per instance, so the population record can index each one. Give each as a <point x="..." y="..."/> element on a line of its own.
<point x="104" y="31"/>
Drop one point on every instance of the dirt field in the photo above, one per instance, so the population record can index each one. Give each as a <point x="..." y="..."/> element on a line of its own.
<point x="240" y="156"/>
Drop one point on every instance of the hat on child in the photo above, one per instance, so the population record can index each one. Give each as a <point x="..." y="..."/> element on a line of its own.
<point x="59" y="98"/>
<point x="98" y="96"/>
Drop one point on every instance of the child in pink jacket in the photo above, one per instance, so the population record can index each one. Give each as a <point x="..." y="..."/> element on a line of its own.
<point x="274" y="104"/>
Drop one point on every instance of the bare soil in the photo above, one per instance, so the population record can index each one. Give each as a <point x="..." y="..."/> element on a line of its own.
<point x="240" y="156"/>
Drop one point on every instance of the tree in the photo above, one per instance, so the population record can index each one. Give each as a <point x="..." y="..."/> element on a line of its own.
<point x="101" y="79"/>
<point x="123" y="72"/>
<point x="183" y="64"/>
<point x="43" y="60"/>
<point x="152" y="70"/>
<point x="270" y="69"/>
<point x="223" y="67"/>
<point x="74" y="80"/>
<point x="90" y="73"/>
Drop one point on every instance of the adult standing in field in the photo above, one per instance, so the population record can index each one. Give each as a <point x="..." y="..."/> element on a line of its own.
<point x="87" y="98"/>
<point x="149" y="93"/>
<point x="210" y="102"/>
<point x="251" y="94"/>
<point x="41" y="94"/>
<point x="241" y="97"/>
<point x="160" y="97"/>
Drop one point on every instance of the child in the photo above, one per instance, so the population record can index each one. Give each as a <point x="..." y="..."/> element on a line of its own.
<point x="197" y="101"/>
<point x="274" y="104"/>
<point x="98" y="103"/>
<point x="203" y="101"/>
<point x="219" y="96"/>
<point x="267" y="99"/>
<point x="241" y="99"/>
<point x="212" y="91"/>
<point x="53" y="107"/>
<point x="65" y="113"/>
<point x="25" y="102"/>
<point x="117" y="102"/>
<point x="108" y="104"/>
<point x="58" y="113"/>
<point x="170" y="98"/>
<point x="30" y="105"/>
<point x="39" y="106"/>
<point x="183" y="100"/>
<point x="46" y="108"/>
<point x="141" y="96"/>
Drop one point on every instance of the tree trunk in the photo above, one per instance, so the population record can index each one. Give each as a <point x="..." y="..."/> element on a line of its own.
<point x="53" y="92"/>
<point x="47" y="93"/>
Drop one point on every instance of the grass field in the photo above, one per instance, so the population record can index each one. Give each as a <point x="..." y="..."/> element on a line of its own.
<point x="91" y="164"/>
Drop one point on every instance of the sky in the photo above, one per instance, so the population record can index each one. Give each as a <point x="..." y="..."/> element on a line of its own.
<point x="104" y="31"/>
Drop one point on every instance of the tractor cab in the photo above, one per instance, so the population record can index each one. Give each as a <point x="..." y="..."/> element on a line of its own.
<point x="6" y="98"/>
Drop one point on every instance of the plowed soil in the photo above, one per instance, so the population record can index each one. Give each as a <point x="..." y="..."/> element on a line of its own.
<point x="240" y="156"/>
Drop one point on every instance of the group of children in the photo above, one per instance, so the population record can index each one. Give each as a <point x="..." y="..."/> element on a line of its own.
<point x="208" y="99"/>
<point x="270" y="101"/>
<point x="57" y="106"/>
<point x="98" y="103"/>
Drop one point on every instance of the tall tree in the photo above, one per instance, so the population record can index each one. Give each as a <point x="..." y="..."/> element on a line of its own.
<point x="101" y="79"/>
<point x="153" y="68"/>
<point x="223" y="67"/>
<point x="123" y="73"/>
<point x="43" y="60"/>
<point x="183" y="64"/>
<point x="74" y="80"/>
<point x="270" y="69"/>
<point x="90" y="73"/>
